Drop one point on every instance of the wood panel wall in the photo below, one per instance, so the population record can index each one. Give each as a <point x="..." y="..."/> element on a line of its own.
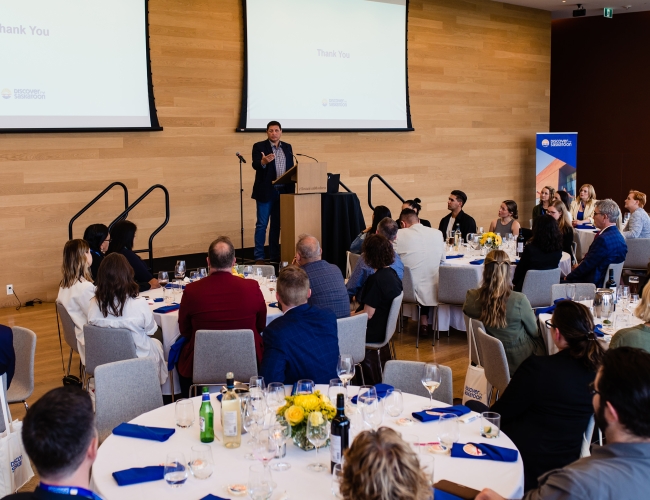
<point x="479" y="75"/>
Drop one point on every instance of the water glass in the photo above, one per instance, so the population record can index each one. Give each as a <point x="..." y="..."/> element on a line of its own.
<point x="279" y="433"/>
<point x="259" y="273"/>
<point x="427" y="463"/>
<point x="373" y="413"/>
<point x="203" y="272"/>
<point x="305" y="386"/>
<point x="570" y="292"/>
<point x="336" y="387"/>
<point x="413" y="440"/>
<point x="394" y="402"/>
<point x="337" y="478"/>
<point x="168" y="295"/>
<point x="264" y="448"/>
<point x="366" y="394"/>
<point x="194" y="276"/>
<point x="179" y="270"/>
<point x="275" y="396"/>
<point x="163" y="278"/>
<point x="258" y="382"/>
<point x="248" y="270"/>
<point x="201" y="462"/>
<point x="448" y="430"/>
<point x="480" y="231"/>
<point x="184" y="413"/>
<point x="260" y="485"/>
<point x="175" y="470"/>
<point x="490" y="424"/>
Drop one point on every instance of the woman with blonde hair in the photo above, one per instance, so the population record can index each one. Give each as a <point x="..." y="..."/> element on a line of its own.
<point x="559" y="212"/>
<point x="381" y="466"/>
<point x="638" y="226"/>
<point x="582" y="208"/>
<point x="76" y="288"/>
<point x="637" y="335"/>
<point x="506" y="315"/>
<point x="546" y="196"/>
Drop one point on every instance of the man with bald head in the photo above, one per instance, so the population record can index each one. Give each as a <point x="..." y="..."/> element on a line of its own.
<point x="325" y="280"/>
<point x="221" y="301"/>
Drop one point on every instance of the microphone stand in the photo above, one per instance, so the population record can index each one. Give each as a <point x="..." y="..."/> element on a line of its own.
<point x="241" y="208"/>
<point x="307" y="156"/>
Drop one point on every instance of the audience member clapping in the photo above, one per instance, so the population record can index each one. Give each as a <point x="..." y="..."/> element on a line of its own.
<point x="507" y="222"/>
<point x="122" y="236"/>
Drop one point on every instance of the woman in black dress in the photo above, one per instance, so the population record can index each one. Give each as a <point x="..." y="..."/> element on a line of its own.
<point x="415" y="205"/>
<point x="122" y="236"/>
<point x="98" y="239"/>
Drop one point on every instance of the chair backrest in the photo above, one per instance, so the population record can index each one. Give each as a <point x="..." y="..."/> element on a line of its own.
<point x="638" y="253"/>
<point x="266" y="270"/>
<point x="618" y="270"/>
<point x="408" y="287"/>
<point x="68" y="327"/>
<point x="468" y="326"/>
<point x="493" y="359"/>
<point x="393" y="316"/>
<point x="22" y="384"/>
<point x="352" y="336"/>
<point x="585" y="450"/>
<point x="454" y="281"/>
<point x="107" y="345"/>
<point x="125" y="390"/>
<point x="537" y="286"/>
<point x="353" y="258"/>
<point x="217" y="352"/>
<point x="407" y="377"/>
<point x="586" y="290"/>
<point x="3" y="387"/>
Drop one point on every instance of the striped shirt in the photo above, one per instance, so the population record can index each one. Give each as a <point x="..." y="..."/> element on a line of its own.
<point x="280" y="160"/>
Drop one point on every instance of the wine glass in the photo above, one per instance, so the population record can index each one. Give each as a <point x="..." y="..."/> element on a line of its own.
<point x="318" y="431"/>
<point x="345" y="369"/>
<point x="203" y="272"/>
<point x="305" y="386"/>
<point x="175" y="470"/>
<point x="260" y="485"/>
<point x="248" y="270"/>
<point x="337" y="477"/>
<point x="194" y="276"/>
<point x="279" y="433"/>
<point x="275" y="396"/>
<point x="336" y="387"/>
<point x="394" y="402"/>
<point x="427" y="463"/>
<point x="257" y="382"/>
<point x="163" y="278"/>
<point x="366" y="393"/>
<point x="570" y="292"/>
<point x="431" y="379"/>
<point x="265" y="448"/>
<point x="624" y="297"/>
<point x="373" y="413"/>
<point x="179" y="270"/>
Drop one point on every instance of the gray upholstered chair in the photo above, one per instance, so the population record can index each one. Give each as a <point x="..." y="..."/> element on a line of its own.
<point x="407" y="377"/>
<point x="217" y="352"/>
<point x="352" y="338"/>
<point x="408" y="290"/>
<point x="391" y="326"/>
<point x="493" y="360"/>
<point x="618" y="270"/>
<point x="587" y="290"/>
<point x="474" y="352"/>
<point x="125" y="390"/>
<point x="352" y="259"/>
<point x="266" y="270"/>
<point x="537" y="286"/>
<point x="69" y="334"/>
<point x="638" y="253"/>
<point x="22" y="384"/>
<point x="3" y="387"/>
<point x="106" y="345"/>
<point x="453" y="284"/>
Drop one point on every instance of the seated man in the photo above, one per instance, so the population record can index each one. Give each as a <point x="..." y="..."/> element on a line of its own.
<point x="608" y="247"/>
<point x="221" y="301"/>
<point x="326" y="280"/>
<point x="455" y="203"/>
<point x="7" y="353"/>
<point x="422" y="250"/>
<point x="387" y="227"/>
<point x="621" y="468"/>
<point x="303" y="343"/>
<point x="60" y="438"/>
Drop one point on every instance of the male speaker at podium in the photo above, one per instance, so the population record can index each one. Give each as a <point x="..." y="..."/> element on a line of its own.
<point x="271" y="159"/>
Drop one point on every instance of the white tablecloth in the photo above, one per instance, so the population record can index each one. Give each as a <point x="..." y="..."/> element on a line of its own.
<point x="118" y="453"/>
<point x="169" y="324"/>
<point x="583" y="238"/>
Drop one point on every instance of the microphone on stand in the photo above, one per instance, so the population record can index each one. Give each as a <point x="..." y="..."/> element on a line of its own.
<point x="294" y="157"/>
<point x="240" y="157"/>
<point x="307" y="156"/>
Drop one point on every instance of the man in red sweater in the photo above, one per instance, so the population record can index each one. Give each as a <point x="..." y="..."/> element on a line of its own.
<point x="221" y="301"/>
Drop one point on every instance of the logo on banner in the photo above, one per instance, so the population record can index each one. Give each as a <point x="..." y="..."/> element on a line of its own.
<point x="545" y="143"/>
<point x="6" y="94"/>
<point x="324" y="102"/>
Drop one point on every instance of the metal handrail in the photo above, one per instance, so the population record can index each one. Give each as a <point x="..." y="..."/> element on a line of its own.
<point x="344" y="186"/>
<point x="124" y="215"/>
<point x="84" y="209"/>
<point x="385" y="184"/>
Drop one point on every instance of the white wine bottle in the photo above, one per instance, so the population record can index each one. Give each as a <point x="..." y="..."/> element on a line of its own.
<point x="231" y="414"/>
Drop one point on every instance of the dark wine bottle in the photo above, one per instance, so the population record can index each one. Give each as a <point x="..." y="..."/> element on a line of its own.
<point x="611" y="284"/>
<point x="340" y="433"/>
<point x="520" y="242"/>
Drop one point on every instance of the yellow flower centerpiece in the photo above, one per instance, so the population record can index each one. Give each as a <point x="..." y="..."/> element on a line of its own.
<point x="490" y="240"/>
<point x="301" y="407"/>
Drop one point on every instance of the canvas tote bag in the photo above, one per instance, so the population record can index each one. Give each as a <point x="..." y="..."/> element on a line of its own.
<point x="15" y="468"/>
<point x="476" y="385"/>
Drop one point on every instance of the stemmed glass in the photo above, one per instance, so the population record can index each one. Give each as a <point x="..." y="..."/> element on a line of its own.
<point x="373" y="413"/>
<point x="258" y="382"/>
<point x="336" y="387"/>
<point x="279" y="433"/>
<point x="163" y="278"/>
<point x="265" y="449"/>
<point x="431" y="379"/>
<point x="624" y="297"/>
<point x="179" y="270"/>
<point x="345" y="369"/>
<point x="304" y="386"/>
<point x="366" y="394"/>
<point x="203" y="273"/>
<point x="260" y="485"/>
<point x="318" y="431"/>
<point x="394" y="402"/>
<point x="570" y="292"/>
<point x="275" y="397"/>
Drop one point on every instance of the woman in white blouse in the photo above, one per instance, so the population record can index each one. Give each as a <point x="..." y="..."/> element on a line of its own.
<point x="77" y="288"/>
<point x="639" y="224"/>
<point x="116" y="305"/>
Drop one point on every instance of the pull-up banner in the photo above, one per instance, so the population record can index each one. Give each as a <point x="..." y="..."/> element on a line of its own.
<point x="557" y="158"/>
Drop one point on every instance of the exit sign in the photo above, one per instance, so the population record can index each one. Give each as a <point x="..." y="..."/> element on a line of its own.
<point x="608" y="12"/>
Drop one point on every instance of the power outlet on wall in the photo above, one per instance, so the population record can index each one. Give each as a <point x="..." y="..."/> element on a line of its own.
<point x="10" y="289"/>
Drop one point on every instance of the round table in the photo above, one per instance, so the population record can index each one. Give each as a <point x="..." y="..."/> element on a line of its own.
<point x="583" y="238"/>
<point x="119" y="453"/>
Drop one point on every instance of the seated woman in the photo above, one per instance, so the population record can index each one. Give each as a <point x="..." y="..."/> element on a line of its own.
<point x="545" y="198"/>
<point x="506" y="315"/>
<point x="379" y="290"/>
<point x="97" y="237"/>
<point x="379" y="213"/>
<point x="638" y="335"/>
<point x="582" y="208"/>
<point x="117" y="305"/>
<point x="564" y="197"/>
<point x="415" y="205"/>
<point x="76" y="288"/>
<point x="543" y="251"/>
<point x="122" y="236"/>
<point x="380" y="465"/>
<point x="547" y="406"/>
<point x="638" y="226"/>
<point x="559" y="212"/>
<point x="507" y="222"/>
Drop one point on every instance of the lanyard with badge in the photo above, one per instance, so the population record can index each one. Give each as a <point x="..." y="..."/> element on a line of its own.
<point x="69" y="490"/>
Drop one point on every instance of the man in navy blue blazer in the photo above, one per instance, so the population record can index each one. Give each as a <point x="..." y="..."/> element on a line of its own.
<point x="303" y="343"/>
<point x="271" y="159"/>
<point x="608" y="247"/>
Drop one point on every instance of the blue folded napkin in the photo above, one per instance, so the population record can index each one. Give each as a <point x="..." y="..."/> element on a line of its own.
<point x="139" y="475"/>
<point x="142" y="432"/>
<point x="274" y="304"/>
<point x="454" y="256"/>
<point x="516" y="262"/>
<point x="598" y="331"/>
<point x="477" y="262"/>
<point x="210" y="496"/>
<point x="490" y="452"/>
<point x="166" y="309"/>
<point x="425" y="416"/>
<point x="159" y="299"/>
<point x="175" y="353"/>
<point x="584" y="226"/>
<point x="382" y="390"/>
<point x="443" y="495"/>
<point x="550" y="309"/>
<point x="173" y="285"/>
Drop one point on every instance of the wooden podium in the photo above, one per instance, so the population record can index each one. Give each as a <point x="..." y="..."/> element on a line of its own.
<point x="301" y="212"/>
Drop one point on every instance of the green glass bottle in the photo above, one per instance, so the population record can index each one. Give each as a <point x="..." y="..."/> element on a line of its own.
<point x="206" y="418"/>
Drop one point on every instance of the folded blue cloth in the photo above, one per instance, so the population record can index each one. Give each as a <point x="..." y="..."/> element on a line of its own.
<point x="274" y="304"/>
<point x="454" y="256"/>
<point x="598" y="331"/>
<point x="426" y="416"/>
<point x="166" y="309"/>
<point x="490" y="452"/>
<point x="477" y="262"/>
<point x="159" y="299"/>
<point x="173" y="285"/>
<point x="516" y="262"/>
<point x="584" y="226"/>
<point x="175" y="353"/>
<point x="550" y="309"/>
<point x="443" y="495"/>
<point x="142" y="432"/>
<point x="210" y="496"/>
<point x="139" y="475"/>
<point x="382" y="390"/>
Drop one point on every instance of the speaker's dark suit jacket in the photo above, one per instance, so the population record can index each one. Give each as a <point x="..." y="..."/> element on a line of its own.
<point x="266" y="174"/>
